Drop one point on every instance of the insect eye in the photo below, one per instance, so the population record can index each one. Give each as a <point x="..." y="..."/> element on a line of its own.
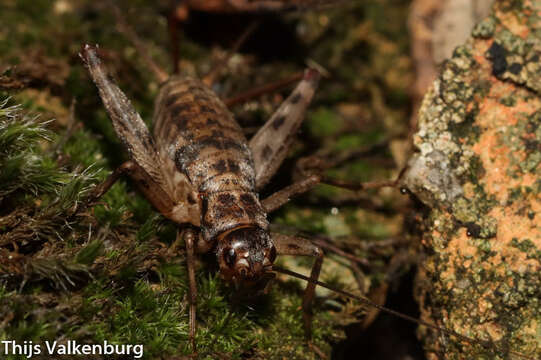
<point x="230" y="257"/>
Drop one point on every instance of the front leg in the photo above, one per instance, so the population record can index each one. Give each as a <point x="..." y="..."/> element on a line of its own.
<point x="190" y="236"/>
<point x="292" y="245"/>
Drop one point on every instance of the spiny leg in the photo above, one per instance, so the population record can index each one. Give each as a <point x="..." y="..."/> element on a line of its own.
<point x="190" y="235"/>
<point x="145" y="164"/>
<point x="271" y="143"/>
<point x="357" y="186"/>
<point x="127" y="123"/>
<point x="291" y="245"/>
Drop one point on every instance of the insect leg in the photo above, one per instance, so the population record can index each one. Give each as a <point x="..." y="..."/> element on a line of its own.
<point x="127" y="123"/>
<point x="291" y="245"/>
<point x="190" y="236"/>
<point x="279" y="198"/>
<point x="178" y="14"/>
<point x="102" y="188"/>
<point x="270" y="144"/>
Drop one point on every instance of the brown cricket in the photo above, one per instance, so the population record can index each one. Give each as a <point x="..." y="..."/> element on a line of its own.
<point x="200" y="171"/>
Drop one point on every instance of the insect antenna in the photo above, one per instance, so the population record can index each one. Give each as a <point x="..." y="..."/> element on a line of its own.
<point x="488" y="345"/>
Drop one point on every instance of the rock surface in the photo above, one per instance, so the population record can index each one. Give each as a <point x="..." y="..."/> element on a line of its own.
<point x="478" y="170"/>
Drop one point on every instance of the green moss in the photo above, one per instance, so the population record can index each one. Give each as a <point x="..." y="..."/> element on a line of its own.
<point x="323" y="122"/>
<point x="525" y="245"/>
<point x="532" y="162"/>
<point x="477" y="171"/>
<point x="509" y="101"/>
<point x="485" y="29"/>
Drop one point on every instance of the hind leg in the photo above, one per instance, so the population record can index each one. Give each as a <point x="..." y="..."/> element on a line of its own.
<point x="145" y="165"/>
<point x="271" y="143"/>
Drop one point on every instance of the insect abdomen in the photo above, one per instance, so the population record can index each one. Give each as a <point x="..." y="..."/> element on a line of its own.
<point x="200" y="135"/>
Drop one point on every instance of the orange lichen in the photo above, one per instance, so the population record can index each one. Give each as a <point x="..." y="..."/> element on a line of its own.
<point x="514" y="23"/>
<point x="458" y="248"/>
<point x="479" y="55"/>
<point x="496" y="119"/>
<point x="512" y="226"/>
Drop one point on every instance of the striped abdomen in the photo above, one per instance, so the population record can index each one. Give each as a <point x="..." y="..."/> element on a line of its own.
<point x="195" y="130"/>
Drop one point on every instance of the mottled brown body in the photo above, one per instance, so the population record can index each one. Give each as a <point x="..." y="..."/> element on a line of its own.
<point x="195" y="130"/>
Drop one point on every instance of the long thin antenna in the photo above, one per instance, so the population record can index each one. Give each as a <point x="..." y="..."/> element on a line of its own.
<point x="485" y="344"/>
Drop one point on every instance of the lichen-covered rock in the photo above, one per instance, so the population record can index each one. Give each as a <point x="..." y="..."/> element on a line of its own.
<point x="479" y="170"/>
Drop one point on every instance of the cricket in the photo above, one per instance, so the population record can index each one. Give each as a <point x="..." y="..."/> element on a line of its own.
<point x="211" y="176"/>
